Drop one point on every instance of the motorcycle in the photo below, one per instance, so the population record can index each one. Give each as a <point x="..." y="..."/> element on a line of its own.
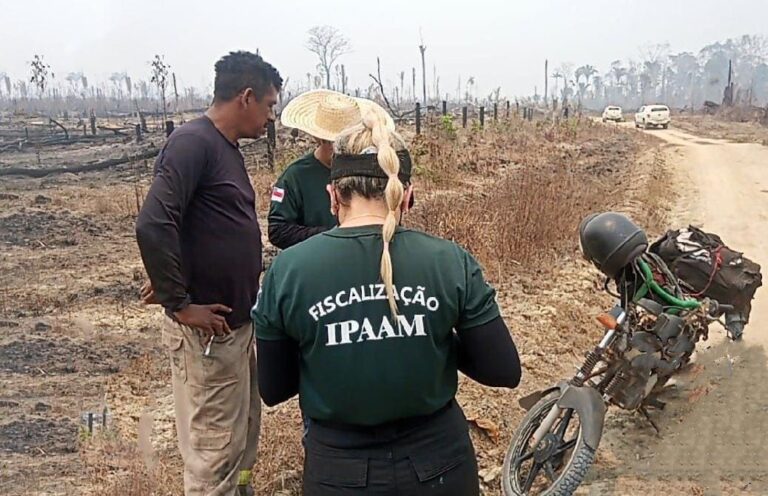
<point x="649" y="336"/>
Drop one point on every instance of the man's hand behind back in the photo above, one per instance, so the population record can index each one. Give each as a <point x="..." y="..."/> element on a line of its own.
<point x="205" y="318"/>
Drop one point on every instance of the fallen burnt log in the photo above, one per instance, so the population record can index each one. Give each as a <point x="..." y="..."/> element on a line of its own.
<point x="117" y="130"/>
<point x="22" y="144"/>
<point x="95" y="166"/>
<point x="17" y="133"/>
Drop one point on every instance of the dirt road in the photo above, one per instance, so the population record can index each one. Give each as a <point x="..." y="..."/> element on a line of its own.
<point x="713" y="432"/>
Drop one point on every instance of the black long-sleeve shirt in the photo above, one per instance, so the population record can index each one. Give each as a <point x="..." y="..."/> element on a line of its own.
<point x="285" y="234"/>
<point x="197" y="231"/>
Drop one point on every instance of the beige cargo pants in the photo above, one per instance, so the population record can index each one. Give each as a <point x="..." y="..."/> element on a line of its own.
<point x="218" y="409"/>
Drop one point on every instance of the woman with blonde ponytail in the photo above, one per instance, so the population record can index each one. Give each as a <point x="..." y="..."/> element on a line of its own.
<point x="370" y="322"/>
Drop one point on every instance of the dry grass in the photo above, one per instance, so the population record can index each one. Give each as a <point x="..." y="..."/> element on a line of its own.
<point x="116" y="466"/>
<point x="513" y="194"/>
<point x="529" y="217"/>
<point x="738" y="129"/>
<point x="121" y="200"/>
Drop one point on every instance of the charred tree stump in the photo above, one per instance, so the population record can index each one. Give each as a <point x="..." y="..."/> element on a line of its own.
<point x="418" y="118"/>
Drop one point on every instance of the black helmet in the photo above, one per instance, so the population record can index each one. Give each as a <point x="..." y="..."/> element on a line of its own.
<point x="611" y="241"/>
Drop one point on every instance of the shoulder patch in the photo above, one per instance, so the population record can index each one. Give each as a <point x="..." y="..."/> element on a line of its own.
<point x="278" y="194"/>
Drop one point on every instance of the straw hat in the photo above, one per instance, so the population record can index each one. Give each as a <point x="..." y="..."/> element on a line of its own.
<point x="324" y="113"/>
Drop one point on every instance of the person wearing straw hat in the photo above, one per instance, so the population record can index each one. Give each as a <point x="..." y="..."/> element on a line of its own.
<point x="299" y="206"/>
<point x="369" y="323"/>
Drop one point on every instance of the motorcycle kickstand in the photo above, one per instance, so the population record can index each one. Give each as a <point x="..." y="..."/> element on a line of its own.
<point x="647" y="416"/>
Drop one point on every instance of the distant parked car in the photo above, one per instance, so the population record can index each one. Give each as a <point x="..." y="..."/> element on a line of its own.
<point x="652" y="116"/>
<point x="612" y="113"/>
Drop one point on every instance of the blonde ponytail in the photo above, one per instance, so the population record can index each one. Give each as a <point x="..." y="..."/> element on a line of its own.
<point x="393" y="193"/>
<point x="358" y="139"/>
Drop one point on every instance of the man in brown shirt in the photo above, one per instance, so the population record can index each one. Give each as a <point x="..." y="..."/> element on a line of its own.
<point x="201" y="245"/>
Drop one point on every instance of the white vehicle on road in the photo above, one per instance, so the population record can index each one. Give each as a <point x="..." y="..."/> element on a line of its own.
<point x="652" y="116"/>
<point x="612" y="113"/>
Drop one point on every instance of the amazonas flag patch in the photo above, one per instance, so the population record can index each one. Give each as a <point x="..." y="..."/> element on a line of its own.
<point x="278" y="194"/>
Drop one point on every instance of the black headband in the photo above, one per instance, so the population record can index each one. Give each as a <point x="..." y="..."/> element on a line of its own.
<point x="367" y="165"/>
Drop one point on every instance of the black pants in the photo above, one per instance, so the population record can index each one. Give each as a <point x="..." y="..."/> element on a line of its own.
<point x="429" y="456"/>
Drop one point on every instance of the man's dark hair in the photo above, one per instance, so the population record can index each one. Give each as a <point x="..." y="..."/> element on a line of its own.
<point x="240" y="70"/>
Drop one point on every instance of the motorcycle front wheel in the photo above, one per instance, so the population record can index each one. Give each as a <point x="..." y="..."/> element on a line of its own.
<point x="558" y="465"/>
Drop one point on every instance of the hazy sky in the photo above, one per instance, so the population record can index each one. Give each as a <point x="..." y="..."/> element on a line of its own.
<point x="500" y="43"/>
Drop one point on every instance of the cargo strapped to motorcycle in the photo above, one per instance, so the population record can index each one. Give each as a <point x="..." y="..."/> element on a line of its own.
<point x="717" y="256"/>
<point x="707" y="267"/>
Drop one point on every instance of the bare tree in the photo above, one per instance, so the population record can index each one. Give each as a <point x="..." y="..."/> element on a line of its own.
<point x="143" y="88"/>
<point x="402" y="86"/>
<point x="338" y="78"/>
<point x="495" y="95"/>
<point x="117" y="79"/>
<point x="470" y="85"/>
<point x="41" y="74"/>
<point x="435" y="82"/>
<point x="21" y="89"/>
<point x="564" y="72"/>
<point x="175" y="93"/>
<point x="328" y="44"/>
<point x="380" y="84"/>
<point x="190" y="94"/>
<point x="422" y="49"/>
<point x="344" y="79"/>
<point x="128" y="86"/>
<point x="557" y="75"/>
<point x="5" y="85"/>
<point x="160" y="78"/>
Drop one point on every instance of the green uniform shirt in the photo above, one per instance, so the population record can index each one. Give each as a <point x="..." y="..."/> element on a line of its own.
<point x="299" y="196"/>
<point x="358" y="364"/>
